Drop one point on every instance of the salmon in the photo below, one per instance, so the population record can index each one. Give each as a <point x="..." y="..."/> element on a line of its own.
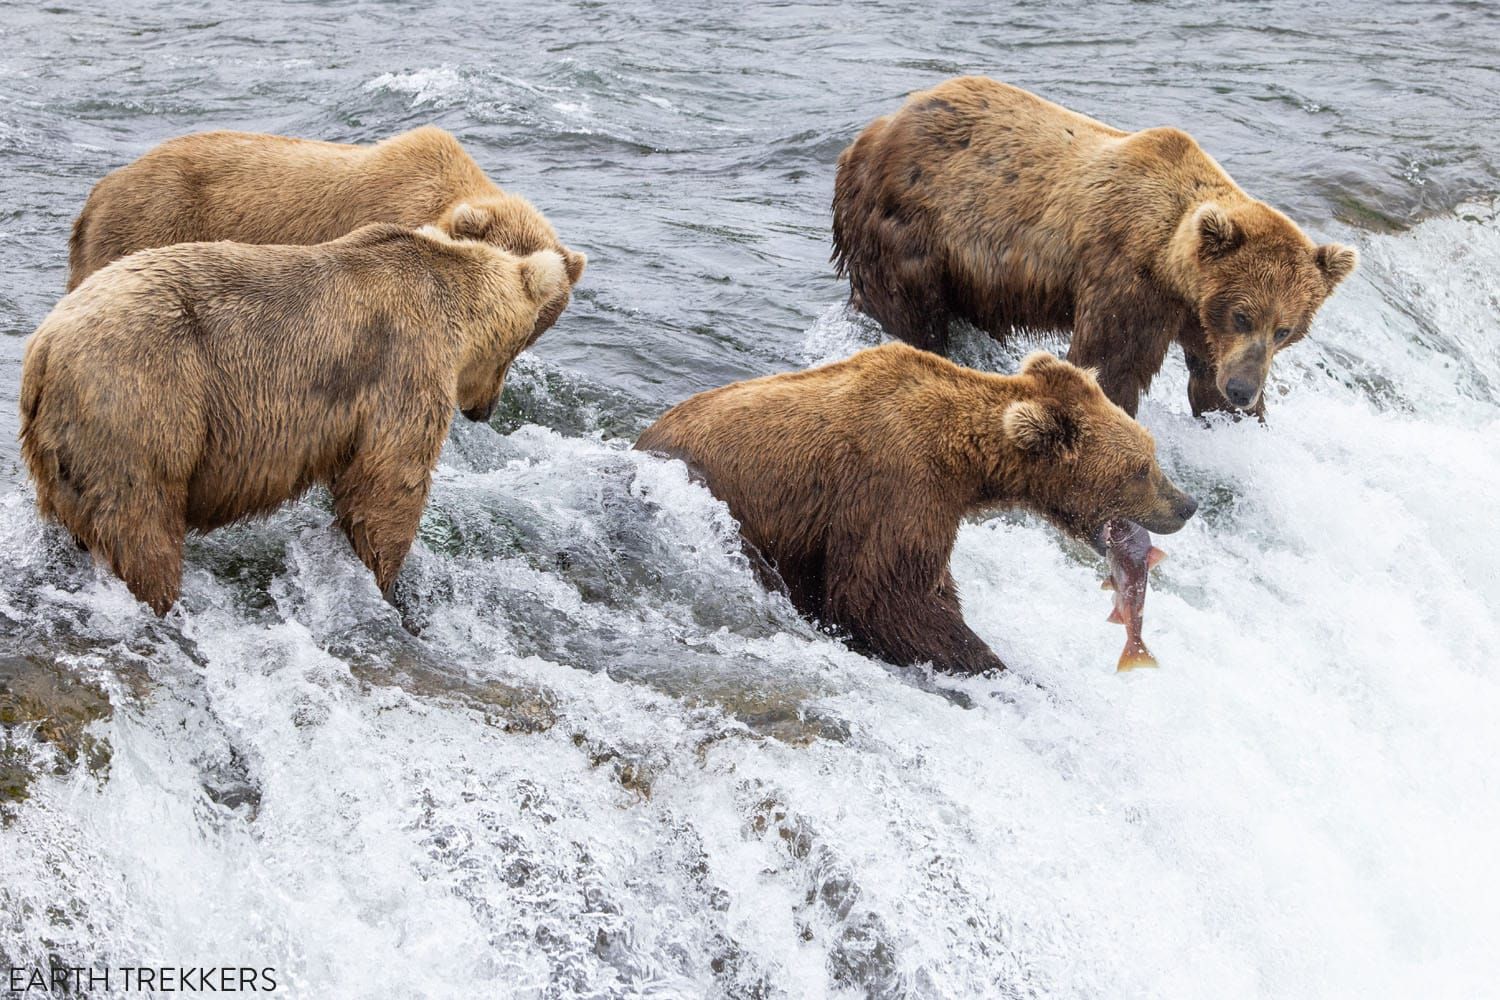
<point x="1131" y="555"/>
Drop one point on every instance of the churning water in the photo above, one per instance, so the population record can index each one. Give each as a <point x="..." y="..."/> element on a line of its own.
<point x="612" y="766"/>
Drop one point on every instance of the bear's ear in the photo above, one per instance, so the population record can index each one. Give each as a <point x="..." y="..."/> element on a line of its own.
<point x="1217" y="233"/>
<point x="1040" y="363"/>
<point x="469" y="223"/>
<point x="543" y="275"/>
<point x="575" y="261"/>
<point x="1336" y="261"/>
<point x="1040" y="429"/>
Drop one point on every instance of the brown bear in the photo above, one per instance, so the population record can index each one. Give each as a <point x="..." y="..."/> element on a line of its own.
<point x="186" y="387"/>
<point x="980" y="201"/>
<point x="849" y="481"/>
<point x="254" y="188"/>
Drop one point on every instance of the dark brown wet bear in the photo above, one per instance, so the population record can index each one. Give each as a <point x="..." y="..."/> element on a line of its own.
<point x="186" y="387"/>
<point x="980" y="201"/>
<point x="850" y="481"/>
<point x="254" y="188"/>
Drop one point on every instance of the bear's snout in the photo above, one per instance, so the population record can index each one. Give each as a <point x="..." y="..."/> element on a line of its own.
<point x="1241" y="392"/>
<point x="1172" y="512"/>
<point x="480" y="414"/>
<point x="1185" y="507"/>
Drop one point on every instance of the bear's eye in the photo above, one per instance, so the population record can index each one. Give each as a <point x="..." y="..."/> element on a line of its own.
<point x="1241" y="322"/>
<point x="1283" y="333"/>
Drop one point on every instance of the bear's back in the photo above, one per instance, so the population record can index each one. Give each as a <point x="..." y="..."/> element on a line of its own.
<point x="994" y="161"/>
<point x="254" y="188"/>
<point x="276" y="303"/>
<point x="819" y="430"/>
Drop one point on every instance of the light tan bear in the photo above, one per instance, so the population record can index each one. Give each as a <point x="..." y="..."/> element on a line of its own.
<point x="254" y="188"/>
<point x="850" y="480"/>
<point x="182" y="388"/>
<point x="980" y="201"/>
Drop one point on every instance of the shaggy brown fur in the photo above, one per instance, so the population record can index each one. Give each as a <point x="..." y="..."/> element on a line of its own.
<point x="980" y="201"/>
<point x="254" y="188"/>
<point x="850" y="480"/>
<point x="190" y="386"/>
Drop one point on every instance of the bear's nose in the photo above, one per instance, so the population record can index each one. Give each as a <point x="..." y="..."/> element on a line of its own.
<point x="480" y="414"/>
<point x="1240" y="391"/>
<point x="1186" y="507"/>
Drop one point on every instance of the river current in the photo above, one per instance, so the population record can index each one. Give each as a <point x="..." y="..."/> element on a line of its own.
<point x="613" y="766"/>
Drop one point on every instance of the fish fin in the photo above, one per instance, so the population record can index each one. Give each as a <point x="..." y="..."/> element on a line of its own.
<point x="1108" y="583"/>
<point x="1114" y="617"/>
<point x="1135" y="655"/>
<point x="1154" y="557"/>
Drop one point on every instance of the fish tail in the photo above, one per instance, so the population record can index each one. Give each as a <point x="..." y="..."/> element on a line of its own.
<point x="1135" y="655"/>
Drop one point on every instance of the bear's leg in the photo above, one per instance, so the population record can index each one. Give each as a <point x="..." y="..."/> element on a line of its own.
<point x="378" y="500"/>
<point x="1203" y="394"/>
<point x="1203" y="389"/>
<point x="905" y="295"/>
<point x="909" y="628"/>
<point x="1125" y="339"/>
<point x="922" y="323"/>
<point x="800" y="579"/>
<point x="901" y="604"/>
<point x="141" y="539"/>
<point x="1116" y="376"/>
<point x="922" y="315"/>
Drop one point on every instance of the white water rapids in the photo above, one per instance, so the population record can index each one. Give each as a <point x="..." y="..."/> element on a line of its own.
<point x="612" y="766"/>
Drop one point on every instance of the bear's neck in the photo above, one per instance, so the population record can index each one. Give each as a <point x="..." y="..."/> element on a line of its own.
<point x="1007" y="485"/>
<point x="488" y="309"/>
<point x="986" y="470"/>
<point x="1180" y="266"/>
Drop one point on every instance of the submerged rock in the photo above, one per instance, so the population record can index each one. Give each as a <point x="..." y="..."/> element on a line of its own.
<point x="401" y="662"/>
<point x="45" y="713"/>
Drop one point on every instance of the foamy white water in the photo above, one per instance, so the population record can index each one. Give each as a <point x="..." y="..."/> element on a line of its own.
<point x="612" y="766"/>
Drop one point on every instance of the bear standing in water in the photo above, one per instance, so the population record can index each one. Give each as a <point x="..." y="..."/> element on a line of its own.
<point x="850" y="481"/>
<point x="980" y="201"/>
<point x="190" y="386"/>
<point x="253" y="188"/>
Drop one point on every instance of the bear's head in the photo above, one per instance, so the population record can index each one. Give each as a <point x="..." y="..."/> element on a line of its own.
<point x="513" y="223"/>
<point x="1259" y="282"/>
<point x="503" y="323"/>
<point x="1074" y="456"/>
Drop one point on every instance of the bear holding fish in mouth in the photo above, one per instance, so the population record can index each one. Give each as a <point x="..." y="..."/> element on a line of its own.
<point x="873" y="461"/>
